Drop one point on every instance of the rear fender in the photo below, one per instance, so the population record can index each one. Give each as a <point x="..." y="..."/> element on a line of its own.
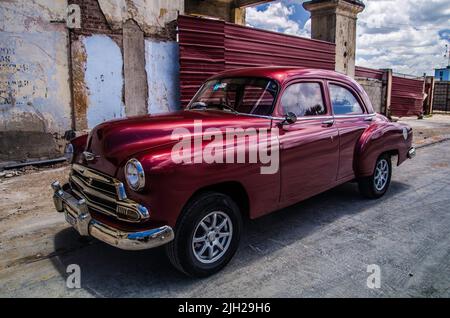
<point x="379" y="138"/>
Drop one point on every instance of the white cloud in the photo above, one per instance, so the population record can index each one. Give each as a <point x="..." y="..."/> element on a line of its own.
<point x="277" y="17"/>
<point x="403" y="35"/>
<point x="407" y="36"/>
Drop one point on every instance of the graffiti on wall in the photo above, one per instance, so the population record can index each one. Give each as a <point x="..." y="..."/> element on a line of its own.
<point x="34" y="77"/>
<point x="34" y="92"/>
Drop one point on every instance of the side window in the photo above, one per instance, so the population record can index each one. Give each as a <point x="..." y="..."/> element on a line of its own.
<point x="343" y="101"/>
<point x="303" y="99"/>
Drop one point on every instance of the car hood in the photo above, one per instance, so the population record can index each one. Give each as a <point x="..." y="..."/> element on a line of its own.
<point x="114" y="142"/>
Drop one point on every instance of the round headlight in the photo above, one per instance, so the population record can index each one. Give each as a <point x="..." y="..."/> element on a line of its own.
<point x="134" y="173"/>
<point x="68" y="152"/>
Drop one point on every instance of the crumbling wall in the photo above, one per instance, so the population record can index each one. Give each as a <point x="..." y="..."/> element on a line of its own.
<point x="151" y="15"/>
<point x="124" y="59"/>
<point x="97" y="68"/>
<point x="154" y="20"/>
<point x="373" y="88"/>
<point x="119" y="59"/>
<point x="34" y="78"/>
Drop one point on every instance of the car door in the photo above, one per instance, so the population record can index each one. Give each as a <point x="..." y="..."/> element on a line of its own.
<point x="309" y="148"/>
<point x="351" y="120"/>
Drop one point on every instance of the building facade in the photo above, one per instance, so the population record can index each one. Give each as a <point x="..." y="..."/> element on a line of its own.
<point x="442" y="74"/>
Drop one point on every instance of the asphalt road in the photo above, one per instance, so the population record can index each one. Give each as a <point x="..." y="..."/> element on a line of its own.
<point x="320" y="247"/>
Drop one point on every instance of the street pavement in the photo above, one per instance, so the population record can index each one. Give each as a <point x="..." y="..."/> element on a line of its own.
<point x="318" y="248"/>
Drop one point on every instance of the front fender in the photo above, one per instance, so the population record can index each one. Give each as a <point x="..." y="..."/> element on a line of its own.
<point x="170" y="185"/>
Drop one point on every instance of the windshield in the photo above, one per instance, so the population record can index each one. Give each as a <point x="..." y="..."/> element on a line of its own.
<point x="239" y="95"/>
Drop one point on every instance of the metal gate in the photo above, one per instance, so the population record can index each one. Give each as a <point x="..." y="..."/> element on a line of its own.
<point x="407" y="96"/>
<point x="211" y="46"/>
<point x="441" y="101"/>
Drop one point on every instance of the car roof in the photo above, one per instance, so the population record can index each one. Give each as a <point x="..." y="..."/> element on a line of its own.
<point x="283" y="73"/>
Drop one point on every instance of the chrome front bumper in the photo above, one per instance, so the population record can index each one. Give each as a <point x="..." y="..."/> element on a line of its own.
<point x="77" y="214"/>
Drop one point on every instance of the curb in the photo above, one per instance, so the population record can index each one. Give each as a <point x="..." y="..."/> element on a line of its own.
<point x="433" y="143"/>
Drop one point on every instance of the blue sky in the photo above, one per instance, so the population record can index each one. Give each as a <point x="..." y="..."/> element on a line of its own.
<point x="408" y="36"/>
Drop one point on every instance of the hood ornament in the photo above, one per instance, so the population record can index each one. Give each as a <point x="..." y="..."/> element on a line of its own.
<point x="89" y="156"/>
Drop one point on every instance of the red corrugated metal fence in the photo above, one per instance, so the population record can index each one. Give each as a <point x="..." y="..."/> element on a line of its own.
<point x="368" y="73"/>
<point x="407" y="96"/>
<point x="211" y="46"/>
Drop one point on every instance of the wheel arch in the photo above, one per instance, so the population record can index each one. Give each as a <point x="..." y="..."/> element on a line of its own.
<point x="234" y="189"/>
<point x="378" y="139"/>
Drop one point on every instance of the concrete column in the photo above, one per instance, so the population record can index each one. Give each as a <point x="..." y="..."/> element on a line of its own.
<point x="429" y="90"/>
<point x="335" y="21"/>
<point x="227" y="10"/>
<point x="238" y="16"/>
<point x="387" y="92"/>
<point x="135" y="77"/>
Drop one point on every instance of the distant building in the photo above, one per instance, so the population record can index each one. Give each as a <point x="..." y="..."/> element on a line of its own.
<point x="442" y="74"/>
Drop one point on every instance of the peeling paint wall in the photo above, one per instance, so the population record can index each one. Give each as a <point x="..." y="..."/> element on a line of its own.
<point x="163" y="71"/>
<point x="53" y="79"/>
<point x="34" y="78"/>
<point x="104" y="79"/>
<point x="151" y="15"/>
<point x="145" y="77"/>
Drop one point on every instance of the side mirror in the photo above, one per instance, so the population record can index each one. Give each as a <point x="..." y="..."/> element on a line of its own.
<point x="290" y="119"/>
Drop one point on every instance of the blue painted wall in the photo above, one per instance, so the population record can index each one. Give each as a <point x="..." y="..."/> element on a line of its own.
<point x="162" y="66"/>
<point x="104" y="79"/>
<point x="442" y="74"/>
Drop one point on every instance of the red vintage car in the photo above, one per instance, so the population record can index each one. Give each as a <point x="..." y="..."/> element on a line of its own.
<point x="174" y="180"/>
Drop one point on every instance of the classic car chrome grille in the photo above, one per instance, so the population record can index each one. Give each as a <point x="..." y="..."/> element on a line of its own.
<point x="105" y="194"/>
<point x="95" y="180"/>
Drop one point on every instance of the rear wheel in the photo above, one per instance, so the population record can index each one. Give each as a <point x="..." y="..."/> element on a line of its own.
<point x="376" y="185"/>
<point x="207" y="235"/>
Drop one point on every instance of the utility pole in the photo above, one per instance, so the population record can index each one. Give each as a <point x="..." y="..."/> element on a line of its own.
<point x="447" y="54"/>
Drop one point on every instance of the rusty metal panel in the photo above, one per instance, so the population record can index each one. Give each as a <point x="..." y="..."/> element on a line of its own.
<point x="211" y="46"/>
<point x="407" y="96"/>
<point x="368" y="73"/>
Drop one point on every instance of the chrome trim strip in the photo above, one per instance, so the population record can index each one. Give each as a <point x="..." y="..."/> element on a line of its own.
<point x="91" y="190"/>
<point x="355" y="116"/>
<point x="307" y="118"/>
<point x="90" y="173"/>
<point x="121" y="193"/>
<point x="314" y="118"/>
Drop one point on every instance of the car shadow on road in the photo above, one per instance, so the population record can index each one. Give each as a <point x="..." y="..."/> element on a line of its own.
<point x="110" y="272"/>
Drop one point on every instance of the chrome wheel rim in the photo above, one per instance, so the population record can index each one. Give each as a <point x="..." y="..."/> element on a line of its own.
<point x="381" y="174"/>
<point x="212" y="237"/>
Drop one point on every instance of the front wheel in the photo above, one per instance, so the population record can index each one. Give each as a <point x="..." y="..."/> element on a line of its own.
<point x="207" y="235"/>
<point x="376" y="185"/>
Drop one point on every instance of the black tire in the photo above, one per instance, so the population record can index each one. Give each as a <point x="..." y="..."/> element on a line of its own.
<point x="181" y="250"/>
<point x="368" y="187"/>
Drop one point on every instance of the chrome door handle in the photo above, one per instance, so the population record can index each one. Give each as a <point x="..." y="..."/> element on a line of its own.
<point x="370" y="118"/>
<point x="328" y="123"/>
